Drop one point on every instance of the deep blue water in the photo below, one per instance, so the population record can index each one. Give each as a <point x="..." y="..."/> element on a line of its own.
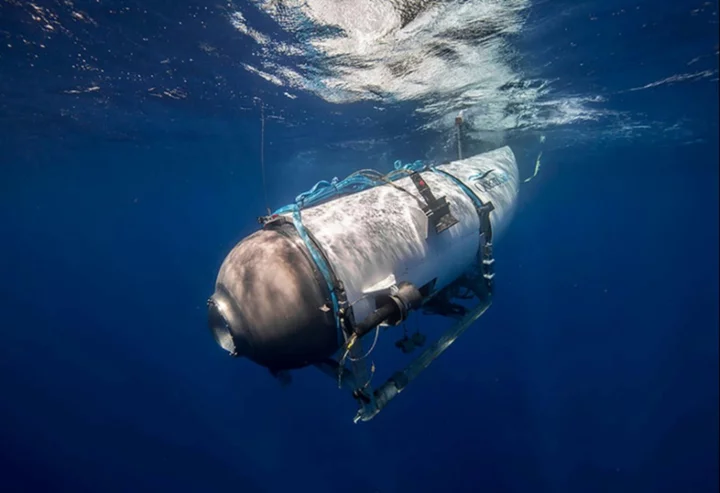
<point x="595" y="370"/>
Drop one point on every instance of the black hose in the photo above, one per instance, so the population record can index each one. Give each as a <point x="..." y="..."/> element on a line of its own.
<point x="375" y="319"/>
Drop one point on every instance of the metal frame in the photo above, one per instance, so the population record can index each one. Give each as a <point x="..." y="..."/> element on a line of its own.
<point x="371" y="400"/>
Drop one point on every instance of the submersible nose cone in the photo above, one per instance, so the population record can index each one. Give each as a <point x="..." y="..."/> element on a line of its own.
<point x="270" y="303"/>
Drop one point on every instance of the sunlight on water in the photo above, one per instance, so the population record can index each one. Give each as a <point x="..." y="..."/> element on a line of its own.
<point x="515" y="68"/>
<point x="443" y="56"/>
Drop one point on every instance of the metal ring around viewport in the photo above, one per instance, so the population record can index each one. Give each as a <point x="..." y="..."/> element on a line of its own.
<point x="219" y="325"/>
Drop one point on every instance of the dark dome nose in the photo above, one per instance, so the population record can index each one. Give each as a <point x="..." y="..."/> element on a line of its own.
<point x="270" y="305"/>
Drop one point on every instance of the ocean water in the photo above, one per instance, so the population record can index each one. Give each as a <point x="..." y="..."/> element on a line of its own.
<point x="131" y="162"/>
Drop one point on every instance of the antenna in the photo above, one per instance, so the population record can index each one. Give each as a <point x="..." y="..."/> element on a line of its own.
<point x="458" y="123"/>
<point x="262" y="154"/>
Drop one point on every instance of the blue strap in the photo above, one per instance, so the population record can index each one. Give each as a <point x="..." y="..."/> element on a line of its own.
<point x="476" y="200"/>
<point x="356" y="182"/>
<point x="322" y="266"/>
<point x="324" y="190"/>
<point x="483" y="211"/>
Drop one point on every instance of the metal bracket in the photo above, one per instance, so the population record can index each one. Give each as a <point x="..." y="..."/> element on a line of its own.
<point x="400" y="380"/>
<point x="437" y="210"/>
<point x="372" y="401"/>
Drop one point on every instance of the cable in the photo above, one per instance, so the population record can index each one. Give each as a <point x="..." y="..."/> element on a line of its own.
<point x="377" y="332"/>
<point x="262" y="155"/>
<point x="356" y="182"/>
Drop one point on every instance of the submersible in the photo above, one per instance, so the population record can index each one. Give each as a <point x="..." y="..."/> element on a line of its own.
<point x="350" y="256"/>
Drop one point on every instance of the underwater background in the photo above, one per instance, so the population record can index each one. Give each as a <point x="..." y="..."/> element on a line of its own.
<point x="130" y="160"/>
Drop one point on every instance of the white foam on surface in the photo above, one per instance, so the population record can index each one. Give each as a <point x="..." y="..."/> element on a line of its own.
<point x="445" y="56"/>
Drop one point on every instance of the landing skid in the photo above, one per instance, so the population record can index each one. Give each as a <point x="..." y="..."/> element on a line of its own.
<point x="373" y="400"/>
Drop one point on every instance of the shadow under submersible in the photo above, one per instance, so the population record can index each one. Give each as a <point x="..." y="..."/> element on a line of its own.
<point x="351" y="256"/>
